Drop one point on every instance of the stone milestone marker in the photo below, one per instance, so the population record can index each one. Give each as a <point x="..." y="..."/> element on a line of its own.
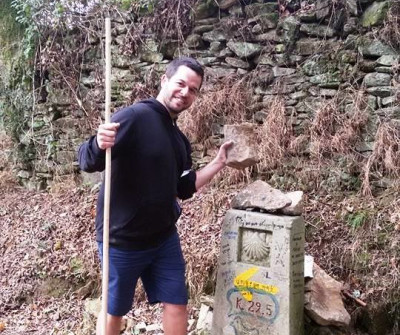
<point x="260" y="281"/>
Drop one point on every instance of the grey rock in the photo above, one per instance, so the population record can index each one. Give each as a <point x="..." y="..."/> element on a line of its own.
<point x="309" y="105"/>
<point x="244" y="49"/>
<point x="328" y="93"/>
<point x="315" y="29"/>
<point x="375" y="14"/>
<point x="260" y="116"/>
<point x="225" y="4"/>
<point x="264" y="76"/>
<point x="218" y="72"/>
<point x="282" y="71"/>
<point x="216" y="46"/>
<point x="121" y="75"/>
<point x="352" y="7"/>
<point x="291" y="79"/>
<point x="235" y="62"/>
<point x="168" y="48"/>
<point x="322" y="9"/>
<point x="290" y="103"/>
<point x="205" y="9"/>
<point x="298" y="95"/>
<point x="350" y="26"/>
<point x="215" y="35"/>
<point x="194" y="41"/>
<point x="206" y="61"/>
<point x="367" y="65"/>
<point x="307" y="47"/>
<point x="205" y="22"/>
<point x="389" y="112"/>
<point x="257" y="8"/>
<point x="226" y="52"/>
<point x="384" y="69"/>
<point x="288" y="60"/>
<point x="270" y="36"/>
<point x="389" y="101"/>
<point x="348" y="57"/>
<point x="327" y="80"/>
<point x="289" y="29"/>
<point x="297" y="204"/>
<point x="276" y="89"/>
<point x="242" y="72"/>
<point x="149" y="56"/>
<point x="375" y="48"/>
<point x="203" y="29"/>
<point x="387" y="60"/>
<point x="265" y="59"/>
<point x="236" y="11"/>
<point x="257" y="29"/>
<point x="377" y="79"/>
<point x="315" y="67"/>
<point x="381" y="91"/>
<point x="266" y="20"/>
<point x="260" y="195"/>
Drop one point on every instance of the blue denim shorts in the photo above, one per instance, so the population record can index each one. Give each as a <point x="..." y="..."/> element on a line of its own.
<point x="161" y="269"/>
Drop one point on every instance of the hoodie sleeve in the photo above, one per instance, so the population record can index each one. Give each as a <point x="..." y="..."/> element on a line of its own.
<point x="187" y="181"/>
<point x="91" y="158"/>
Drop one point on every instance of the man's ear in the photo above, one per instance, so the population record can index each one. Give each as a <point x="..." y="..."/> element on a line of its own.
<point x="164" y="79"/>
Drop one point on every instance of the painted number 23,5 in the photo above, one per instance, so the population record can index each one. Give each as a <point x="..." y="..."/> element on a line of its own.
<point x="253" y="307"/>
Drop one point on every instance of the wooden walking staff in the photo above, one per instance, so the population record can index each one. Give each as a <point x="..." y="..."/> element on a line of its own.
<point x="107" y="186"/>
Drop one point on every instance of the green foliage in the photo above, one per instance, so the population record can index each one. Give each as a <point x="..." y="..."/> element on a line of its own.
<point x="357" y="219"/>
<point x="25" y="11"/>
<point x="19" y="35"/>
<point x="141" y="6"/>
<point x="11" y="31"/>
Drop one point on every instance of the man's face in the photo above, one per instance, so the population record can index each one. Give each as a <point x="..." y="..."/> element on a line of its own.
<point x="178" y="92"/>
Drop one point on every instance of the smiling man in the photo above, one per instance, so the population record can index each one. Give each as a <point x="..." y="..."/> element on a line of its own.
<point x="151" y="168"/>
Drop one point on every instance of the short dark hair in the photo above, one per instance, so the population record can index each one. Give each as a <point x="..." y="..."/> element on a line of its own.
<point x="191" y="63"/>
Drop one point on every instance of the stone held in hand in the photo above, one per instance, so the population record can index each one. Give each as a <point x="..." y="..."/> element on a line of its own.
<point x="262" y="196"/>
<point x="243" y="152"/>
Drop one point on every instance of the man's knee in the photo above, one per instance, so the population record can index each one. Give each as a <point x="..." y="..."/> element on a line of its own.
<point x="174" y="309"/>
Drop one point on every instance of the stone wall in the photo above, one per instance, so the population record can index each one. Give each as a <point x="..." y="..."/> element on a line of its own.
<point x="308" y="52"/>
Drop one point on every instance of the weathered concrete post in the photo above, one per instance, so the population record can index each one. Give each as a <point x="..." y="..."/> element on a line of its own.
<point x="260" y="281"/>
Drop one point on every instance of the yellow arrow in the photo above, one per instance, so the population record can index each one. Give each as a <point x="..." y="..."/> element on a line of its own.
<point x="242" y="283"/>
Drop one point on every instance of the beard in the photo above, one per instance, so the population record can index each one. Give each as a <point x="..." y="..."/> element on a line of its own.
<point x="177" y="105"/>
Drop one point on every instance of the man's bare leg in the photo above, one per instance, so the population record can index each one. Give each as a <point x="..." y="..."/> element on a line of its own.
<point x="175" y="319"/>
<point x="113" y="324"/>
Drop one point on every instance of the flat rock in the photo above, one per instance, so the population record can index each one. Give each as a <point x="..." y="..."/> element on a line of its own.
<point x="244" y="49"/>
<point x="243" y="152"/>
<point x="323" y="300"/>
<point x="296" y="207"/>
<point x="375" y="79"/>
<point x="262" y="196"/>
<point x="225" y="4"/>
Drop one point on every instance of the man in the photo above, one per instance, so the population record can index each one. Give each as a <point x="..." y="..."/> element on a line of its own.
<point x="151" y="167"/>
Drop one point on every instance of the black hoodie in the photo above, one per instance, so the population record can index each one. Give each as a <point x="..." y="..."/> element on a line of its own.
<point x="148" y="172"/>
